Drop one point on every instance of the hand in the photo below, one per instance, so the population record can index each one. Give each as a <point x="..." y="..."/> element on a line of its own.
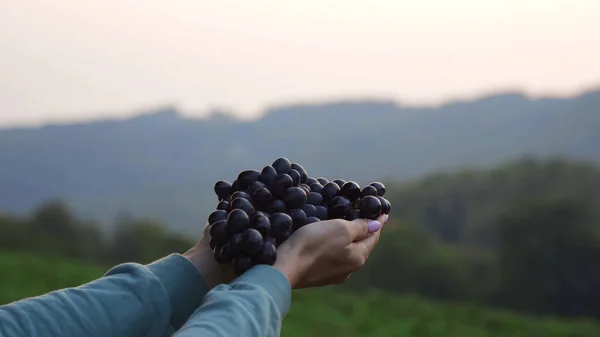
<point x="327" y="252"/>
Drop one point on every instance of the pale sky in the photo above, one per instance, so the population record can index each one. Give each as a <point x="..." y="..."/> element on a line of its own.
<point x="66" y="60"/>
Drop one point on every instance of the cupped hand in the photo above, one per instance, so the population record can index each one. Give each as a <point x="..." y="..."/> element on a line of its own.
<point x="327" y="252"/>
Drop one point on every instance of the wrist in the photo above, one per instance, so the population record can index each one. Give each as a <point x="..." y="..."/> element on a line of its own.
<point x="290" y="265"/>
<point x="201" y="257"/>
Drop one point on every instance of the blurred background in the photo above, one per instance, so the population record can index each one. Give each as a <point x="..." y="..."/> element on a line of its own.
<point x="481" y="117"/>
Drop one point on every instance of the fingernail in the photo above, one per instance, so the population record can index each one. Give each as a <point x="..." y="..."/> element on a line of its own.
<point x="374" y="226"/>
<point x="386" y="218"/>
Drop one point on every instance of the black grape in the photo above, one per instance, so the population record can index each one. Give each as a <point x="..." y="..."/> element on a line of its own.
<point x="330" y="191"/>
<point x="216" y="216"/>
<point x="370" y="207"/>
<point x="227" y="198"/>
<point x="282" y="165"/>
<point x="368" y="190"/>
<point x="311" y="180"/>
<point x="280" y="184"/>
<point x="241" y="194"/>
<point x="294" y="197"/>
<point x="339" y="182"/>
<point x="241" y="264"/>
<point x="252" y="241"/>
<point x="280" y="223"/>
<point x="235" y="186"/>
<point x="338" y="207"/>
<point x="267" y="174"/>
<point x="322" y="181"/>
<point x="276" y="206"/>
<point x="234" y="243"/>
<point x="309" y="210"/>
<point x="301" y="170"/>
<point x="212" y="243"/>
<point x="311" y="219"/>
<point x="352" y="214"/>
<point x="223" y="205"/>
<point x="322" y="212"/>
<point x="262" y="197"/>
<point x="246" y="178"/>
<point x="222" y="254"/>
<point x="243" y="204"/>
<point x="280" y="238"/>
<point x="350" y="190"/>
<point x="267" y="255"/>
<point x="298" y="218"/>
<point x="295" y="177"/>
<point x="306" y="188"/>
<point x="222" y="189"/>
<point x="237" y="221"/>
<point x="316" y="187"/>
<point x="256" y="185"/>
<point x="380" y="188"/>
<point x="261" y="223"/>
<point x="218" y="232"/>
<point x="314" y="198"/>
<point x="269" y="239"/>
<point x="385" y="205"/>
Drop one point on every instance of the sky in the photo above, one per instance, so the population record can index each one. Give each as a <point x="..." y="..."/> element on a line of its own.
<point x="70" y="60"/>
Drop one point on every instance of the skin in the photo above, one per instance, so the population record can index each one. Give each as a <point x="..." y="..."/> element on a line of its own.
<point x="319" y="254"/>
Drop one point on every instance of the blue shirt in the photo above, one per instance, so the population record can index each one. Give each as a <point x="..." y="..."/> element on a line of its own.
<point x="165" y="298"/>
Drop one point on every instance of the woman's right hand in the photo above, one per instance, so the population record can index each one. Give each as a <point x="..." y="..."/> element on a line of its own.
<point x="327" y="252"/>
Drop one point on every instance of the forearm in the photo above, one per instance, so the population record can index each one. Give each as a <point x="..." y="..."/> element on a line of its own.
<point x="130" y="300"/>
<point x="253" y="305"/>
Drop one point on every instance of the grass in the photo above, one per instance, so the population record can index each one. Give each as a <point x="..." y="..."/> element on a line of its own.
<point x="323" y="312"/>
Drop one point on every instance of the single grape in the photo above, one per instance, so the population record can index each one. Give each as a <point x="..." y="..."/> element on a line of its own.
<point x="370" y="207"/>
<point x="262" y="197"/>
<point x="301" y="170"/>
<point x="339" y="182"/>
<point x="280" y="184"/>
<point x="298" y="218"/>
<point x="385" y="205"/>
<point x="310" y="210"/>
<point x="267" y="174"/>
<point x="237" y="221"/>
<point x="330" y="191"/>
<point x="338" y="207"/>
<point x="247" y="177"/>
<point x="322" y="181"/>
<point x="212" y="243"/>
<point x="252" y="241"/>
<point x="294" y="197"/>
<point x="306" y="188"/>
<point x="276" y="206"/>
<point x="350" y="190"/>
<point x="368" y="190"/>
<point x="261" y="223"/>
<point x="269" y="239"/>
<point x="241" y="264"/>
<point x="311" y="180"/>
<point x="217" y="215"/>
<point x="352" y="214"/>
<point x="280" y="238"/>
<point x="311" y="219"/>
<point x="241" y="194"/>
<point x="235" y="186"/>
<point x="227" y="198"/>
<point x="223" y="205"/>
<point x="234" y="243"/>
<point x="218" y="232"/>
<point x="243" y="204"/>
<point x="267" y="255"/>
<point x="256" y="185"/>
<point x="314" y="198"/>
<point x="222" y="189"/>
<point x="316" y="187"/>
<point x="322" y="212"/>
<point x="282" y="165"/>
<point x="295" y="177"/>
<point x="380" y="188"/>
<point x="280" y="223"/>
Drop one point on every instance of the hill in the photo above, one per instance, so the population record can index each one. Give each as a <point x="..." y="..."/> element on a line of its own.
<point x="164" y="165"/>
<point x="323" y="312"/>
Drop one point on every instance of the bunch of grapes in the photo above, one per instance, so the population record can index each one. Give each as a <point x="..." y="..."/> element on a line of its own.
<point x="260" y="210"/>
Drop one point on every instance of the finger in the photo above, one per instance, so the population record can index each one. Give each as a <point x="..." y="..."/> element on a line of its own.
<point x="362" y="228"/>
<point x="364" y="247"/>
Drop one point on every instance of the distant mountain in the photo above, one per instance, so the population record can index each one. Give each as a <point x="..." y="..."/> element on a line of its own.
<point x="164" y="165"/>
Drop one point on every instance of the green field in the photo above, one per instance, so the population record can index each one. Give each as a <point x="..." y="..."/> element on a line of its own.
<point x="325" y="312"/>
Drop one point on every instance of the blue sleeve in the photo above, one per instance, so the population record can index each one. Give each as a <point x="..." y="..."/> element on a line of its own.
<point x="130" y="300"/>
<point x="253" y="305"/>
